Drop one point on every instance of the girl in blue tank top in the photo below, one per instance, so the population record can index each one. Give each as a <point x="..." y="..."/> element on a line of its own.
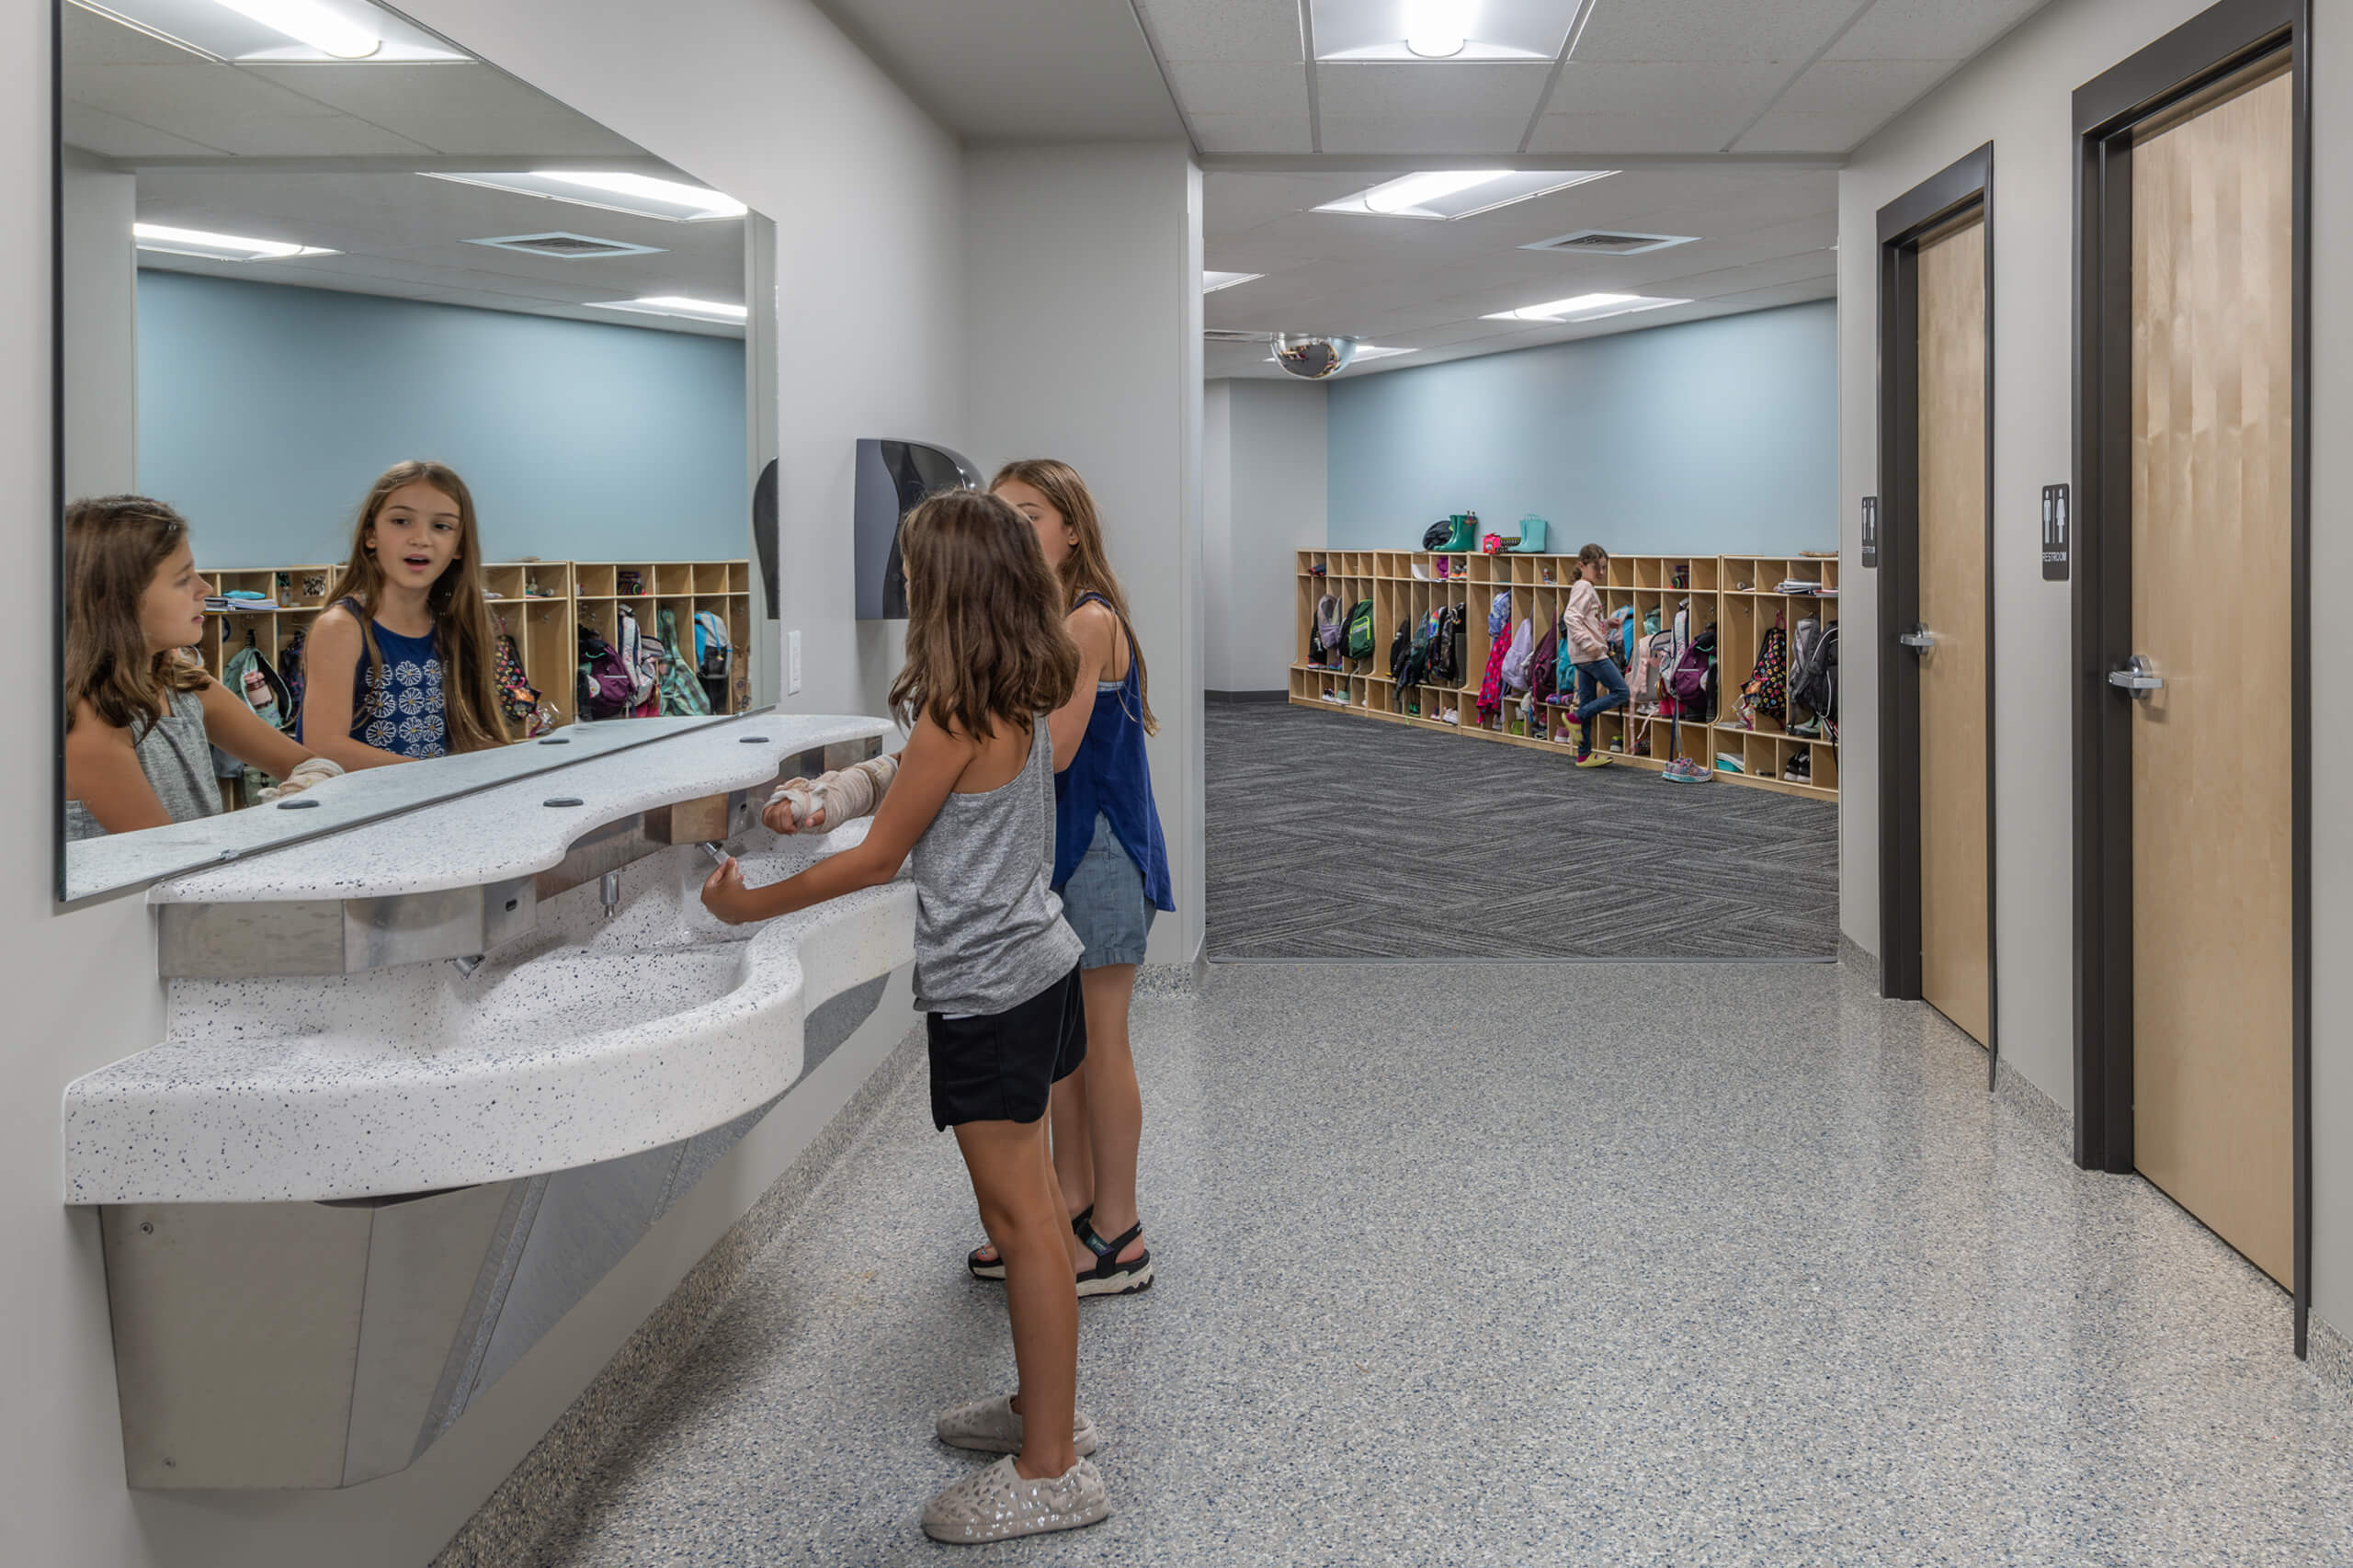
<point x="1111" y="869"/>
<point x="399" y="666"/>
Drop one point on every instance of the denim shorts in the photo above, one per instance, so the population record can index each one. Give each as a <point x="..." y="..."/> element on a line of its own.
<point x="1105" y="904"/>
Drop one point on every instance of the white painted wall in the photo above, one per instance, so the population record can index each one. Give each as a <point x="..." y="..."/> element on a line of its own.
<point x="2018" y="97"/>
<point x="101" y="302"/>
<point x="1274" y="480"/>
<point x="765" y="99"/>
<point x="1085" y="338"/>
<point x="1217" y="534"/>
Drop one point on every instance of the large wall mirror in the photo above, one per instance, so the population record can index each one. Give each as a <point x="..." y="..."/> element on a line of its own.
<point x="411" y="425"/>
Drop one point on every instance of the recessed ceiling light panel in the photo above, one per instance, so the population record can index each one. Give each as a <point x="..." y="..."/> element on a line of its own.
<point x="642" y="196"/>
<point x="1459" y="193"/>
<point x="278" y="30"/>
<point x="1213" y="281"/>
<point x="212" y="246"/>
<point x="1583" y="308"/>
<point x="678" y="305"/>
<point x="1445" y="31"/>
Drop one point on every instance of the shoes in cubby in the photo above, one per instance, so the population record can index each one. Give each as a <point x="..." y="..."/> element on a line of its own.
<point x="1730" y="765"/>
<point x="1799" y="770"/>
<point x="1683" y="770"/>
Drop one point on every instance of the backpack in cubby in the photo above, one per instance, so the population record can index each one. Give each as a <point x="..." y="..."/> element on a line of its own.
<point x="1361" y="640"/>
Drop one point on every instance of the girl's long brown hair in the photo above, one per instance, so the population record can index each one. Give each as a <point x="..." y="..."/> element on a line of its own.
<point x="1087" y="569"/>
<point x="114" y="546"/>
<point x="985" y="639"/>
<point x="461" y="618"/>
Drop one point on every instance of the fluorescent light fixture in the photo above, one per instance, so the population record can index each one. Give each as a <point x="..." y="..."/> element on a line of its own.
<point x="1458" y="32"/>
<point x="299" y="31"/>
<point x="698" y="201"/>
<point x="217" y="247"/>
<point x="1448" y="194"/>
<point x="641" y="196"/>
<point x="1213" y="281"/>
<point x="678" y="305"/>
<point x="1583" y="308"/>
<point x="1364" y="351"/>
<point x="307" y="21"/>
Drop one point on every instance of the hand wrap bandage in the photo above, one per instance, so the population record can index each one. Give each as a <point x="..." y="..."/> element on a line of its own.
<point x="843" y="796"/>
<point x="313" y="770"/>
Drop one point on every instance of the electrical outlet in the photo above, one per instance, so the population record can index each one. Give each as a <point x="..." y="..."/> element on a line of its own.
<point x="792" y="662"/>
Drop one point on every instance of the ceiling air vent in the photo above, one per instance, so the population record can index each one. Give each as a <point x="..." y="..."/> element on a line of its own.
<point x="1607" y="242"/>
<point x="572" y="247"/>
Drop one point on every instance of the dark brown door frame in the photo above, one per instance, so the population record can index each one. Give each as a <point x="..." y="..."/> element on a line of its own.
<point x="1951" y="193"/>
<point x="2208" y="48"/>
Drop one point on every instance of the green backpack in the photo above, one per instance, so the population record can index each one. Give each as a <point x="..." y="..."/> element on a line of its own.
<point x="681" y="692"/>
<point x="1361" y="638"/>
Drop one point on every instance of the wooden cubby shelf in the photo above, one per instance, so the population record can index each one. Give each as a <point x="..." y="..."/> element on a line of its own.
<point x="1741" y="597"/>
<point x="540" y="603"/>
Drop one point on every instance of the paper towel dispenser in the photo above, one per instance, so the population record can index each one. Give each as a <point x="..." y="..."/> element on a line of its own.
<point x="891" y="477"/>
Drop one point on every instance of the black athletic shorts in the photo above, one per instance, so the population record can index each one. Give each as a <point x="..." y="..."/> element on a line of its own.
<point x="1003" y="1066"/>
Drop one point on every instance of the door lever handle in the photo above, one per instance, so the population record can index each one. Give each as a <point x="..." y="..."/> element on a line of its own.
<point x="2140" y="677"/>
<point x="1919" y="639"/>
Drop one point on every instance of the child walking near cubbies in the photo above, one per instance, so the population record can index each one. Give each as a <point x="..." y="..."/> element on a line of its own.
<point x="1599" y="686"/>
<point x="972" y="801"/>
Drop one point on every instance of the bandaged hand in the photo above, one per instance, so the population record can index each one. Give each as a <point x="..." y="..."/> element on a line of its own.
<point x="312" y="770"/>
<point x="800" y="806"/>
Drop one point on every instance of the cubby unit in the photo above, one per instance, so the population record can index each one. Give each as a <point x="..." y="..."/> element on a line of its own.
<point x="1739" y="596"/>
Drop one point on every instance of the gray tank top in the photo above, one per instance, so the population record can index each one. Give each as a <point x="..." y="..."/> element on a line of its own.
<point x="177" y="760"/>
<point x="989" y="931"/>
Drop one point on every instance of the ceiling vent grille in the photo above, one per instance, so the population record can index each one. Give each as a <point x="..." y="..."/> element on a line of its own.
<point x="571" y="247"/>
<point x="1609" y="242"/>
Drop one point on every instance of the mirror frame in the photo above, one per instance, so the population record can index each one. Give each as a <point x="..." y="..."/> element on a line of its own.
<point x="761" y="441"/>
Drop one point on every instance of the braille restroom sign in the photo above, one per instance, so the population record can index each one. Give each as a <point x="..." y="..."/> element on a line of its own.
<point x="2055" y="533"/>
<point x="1871" y="530"/>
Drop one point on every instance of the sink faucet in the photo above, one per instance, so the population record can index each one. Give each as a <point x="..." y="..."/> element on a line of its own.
<point x="468" y="964"/>
<point x="609" y="889"/>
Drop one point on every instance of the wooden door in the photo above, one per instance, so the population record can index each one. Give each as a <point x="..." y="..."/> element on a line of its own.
<point x="2213" y="841"/>
<point x="1954" y="959"/>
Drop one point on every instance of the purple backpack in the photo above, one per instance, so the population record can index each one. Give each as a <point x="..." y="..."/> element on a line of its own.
<point x="1691" y="673"/>
<point x="607" y="690"/>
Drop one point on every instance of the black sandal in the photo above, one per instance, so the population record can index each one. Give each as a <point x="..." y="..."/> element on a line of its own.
<point x="1109" y="1277"/>
<point x="997" y="1270"/>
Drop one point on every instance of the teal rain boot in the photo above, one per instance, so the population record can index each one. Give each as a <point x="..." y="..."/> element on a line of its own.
<point x="1464" y="539"/>
<point x="1533" y="530"/>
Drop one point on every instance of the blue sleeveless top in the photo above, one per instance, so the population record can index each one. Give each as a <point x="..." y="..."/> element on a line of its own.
<point x="1109" y="776"/>
<point x="398" y="708"/>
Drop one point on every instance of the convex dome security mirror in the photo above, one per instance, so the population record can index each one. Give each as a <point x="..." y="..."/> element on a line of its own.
<point x="891" y="477"/>
<point x="1314" y="358"/>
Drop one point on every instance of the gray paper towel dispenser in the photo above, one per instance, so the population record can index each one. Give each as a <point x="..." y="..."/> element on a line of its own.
<point x="891" y="477"/>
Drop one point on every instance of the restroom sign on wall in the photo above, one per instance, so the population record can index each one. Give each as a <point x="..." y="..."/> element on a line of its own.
<point x="2055" y="533"/>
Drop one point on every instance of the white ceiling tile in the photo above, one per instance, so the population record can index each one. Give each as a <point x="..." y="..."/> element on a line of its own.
<point x="1663" y="89"/>
<point x="112" y="136"/>
<point x="1931" y="29"/>
<point x="1234" y="203"/>
<point x="1224" y="29"/>
<point x="1787" y="131"/>
<point x="1863" y="86"/>
<point x="1250" y="88"/>
<point x="1253" y="132"/>
<point x="1789" y="30"/>
<point x="1498" y="134"/>
<point x="456" y="106"/>
<point x="86" y="38"/>
<point x="236" y="110"/>
<point x="1692" y="131"/>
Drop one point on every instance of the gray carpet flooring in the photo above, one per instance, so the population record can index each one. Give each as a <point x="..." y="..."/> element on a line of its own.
<point x="1337" y="837"/>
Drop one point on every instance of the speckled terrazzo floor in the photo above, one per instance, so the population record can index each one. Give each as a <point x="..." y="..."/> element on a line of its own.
<point x="1516" y="1264"/>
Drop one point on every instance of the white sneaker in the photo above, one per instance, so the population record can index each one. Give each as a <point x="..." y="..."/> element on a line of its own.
<point x="994" y="1427"/>
<point x="999" y="1503"/>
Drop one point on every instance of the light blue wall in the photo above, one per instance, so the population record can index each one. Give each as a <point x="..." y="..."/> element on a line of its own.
<point x="1713" y="437"/>
<point x="266" y="411"/>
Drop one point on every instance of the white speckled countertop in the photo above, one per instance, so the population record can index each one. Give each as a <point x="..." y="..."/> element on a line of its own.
<point x="94" y="866"/>
<point x="509" y="831"/>
<point x="593" y="1039"/>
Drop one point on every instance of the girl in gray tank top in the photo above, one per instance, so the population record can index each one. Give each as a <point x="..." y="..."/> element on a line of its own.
<point x="971" y="808"/>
